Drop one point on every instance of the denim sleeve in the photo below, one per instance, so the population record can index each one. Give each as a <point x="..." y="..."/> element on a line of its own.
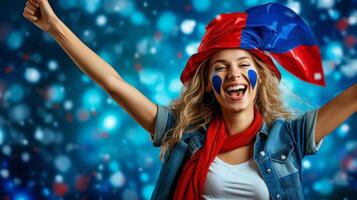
<point x="303" y="131"/>
<point x="163" y="122"/>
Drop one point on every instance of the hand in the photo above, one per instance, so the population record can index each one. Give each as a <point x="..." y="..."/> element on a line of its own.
<point x="40" y="13"/>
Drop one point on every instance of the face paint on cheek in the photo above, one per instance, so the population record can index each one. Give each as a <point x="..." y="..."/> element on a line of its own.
<point x="253" y="77"/>
<point x="217" y="82"/>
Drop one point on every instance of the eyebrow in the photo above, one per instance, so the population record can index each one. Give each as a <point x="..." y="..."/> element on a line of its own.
<point x="224" y="61"/>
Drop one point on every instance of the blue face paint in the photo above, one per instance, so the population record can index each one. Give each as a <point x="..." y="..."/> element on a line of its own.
<point x="217" y="82"/>
<point x="252" y="77"/>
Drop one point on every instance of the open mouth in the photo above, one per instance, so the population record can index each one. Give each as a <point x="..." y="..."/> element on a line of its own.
<point x="237" y="92"/>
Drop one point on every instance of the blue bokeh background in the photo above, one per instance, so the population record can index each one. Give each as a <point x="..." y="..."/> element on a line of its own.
<point x="63" y="137"/>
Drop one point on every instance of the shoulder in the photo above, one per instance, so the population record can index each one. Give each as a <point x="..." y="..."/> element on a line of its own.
<point x="296" y="122"/>
<point x="277" y="131"/>
<point x="275" y="125"/>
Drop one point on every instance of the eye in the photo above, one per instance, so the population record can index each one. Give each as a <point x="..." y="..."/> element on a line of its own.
<point x="245" y="65"/>
<point x="219" y="68"/>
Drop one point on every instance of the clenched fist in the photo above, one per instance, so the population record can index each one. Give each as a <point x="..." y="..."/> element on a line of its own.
<point x="40" y="13"/>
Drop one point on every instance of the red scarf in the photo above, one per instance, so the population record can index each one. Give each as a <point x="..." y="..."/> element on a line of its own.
<point x="191" y="182"/>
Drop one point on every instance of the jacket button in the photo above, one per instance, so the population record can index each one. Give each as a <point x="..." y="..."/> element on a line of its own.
<point x="262" y="153"/>
<point x="268" y="171"/>
<point x="278" y="196"/>
<point x="283" y="157"/>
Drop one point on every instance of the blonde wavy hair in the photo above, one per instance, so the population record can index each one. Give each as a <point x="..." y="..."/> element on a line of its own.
<point x="195" y="105"/>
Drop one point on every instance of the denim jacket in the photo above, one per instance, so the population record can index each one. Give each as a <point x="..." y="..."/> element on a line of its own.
<point x="278" y="152"/>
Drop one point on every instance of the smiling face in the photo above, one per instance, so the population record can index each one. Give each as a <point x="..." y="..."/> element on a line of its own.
<point x="233" y="77"/>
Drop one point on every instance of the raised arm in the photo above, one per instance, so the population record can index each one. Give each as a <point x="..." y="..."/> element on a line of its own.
<point x="40" y="13"/>
<point x="332" y="114"/>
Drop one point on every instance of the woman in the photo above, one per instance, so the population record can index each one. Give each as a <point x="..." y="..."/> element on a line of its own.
<point x="228" y="135"/>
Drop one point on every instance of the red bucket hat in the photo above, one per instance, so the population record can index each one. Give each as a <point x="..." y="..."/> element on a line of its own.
<point x="268" y="31"/>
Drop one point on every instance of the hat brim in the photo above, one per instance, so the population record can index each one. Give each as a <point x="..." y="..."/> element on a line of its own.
<point x="196" y="59"/>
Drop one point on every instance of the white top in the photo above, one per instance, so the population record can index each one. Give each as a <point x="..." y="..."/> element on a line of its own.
<point x="242" y="181"/>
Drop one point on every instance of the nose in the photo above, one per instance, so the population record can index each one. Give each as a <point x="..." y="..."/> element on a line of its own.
<point x="234" y="74"/>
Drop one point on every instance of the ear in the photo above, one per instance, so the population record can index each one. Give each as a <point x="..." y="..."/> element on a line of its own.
<point x="209" y="87"/>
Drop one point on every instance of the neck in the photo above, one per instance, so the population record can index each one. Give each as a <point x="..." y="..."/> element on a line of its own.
<point x="237" y="122"/>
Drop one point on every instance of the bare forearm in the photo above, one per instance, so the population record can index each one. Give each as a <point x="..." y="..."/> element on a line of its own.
<point x="335" y="112"/>
<point x="348" y="98"/>
<point x="87" y="60"/>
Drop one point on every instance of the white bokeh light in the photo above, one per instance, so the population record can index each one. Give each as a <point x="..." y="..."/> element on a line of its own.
<point x="187" y="26"/>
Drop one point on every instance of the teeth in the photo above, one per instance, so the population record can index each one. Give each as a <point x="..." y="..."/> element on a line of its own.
<point x="237" y="87"/>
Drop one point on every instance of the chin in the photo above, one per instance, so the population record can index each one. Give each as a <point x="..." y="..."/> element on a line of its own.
<point x="237" y="108"/>
<point x="234" y="106"/>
